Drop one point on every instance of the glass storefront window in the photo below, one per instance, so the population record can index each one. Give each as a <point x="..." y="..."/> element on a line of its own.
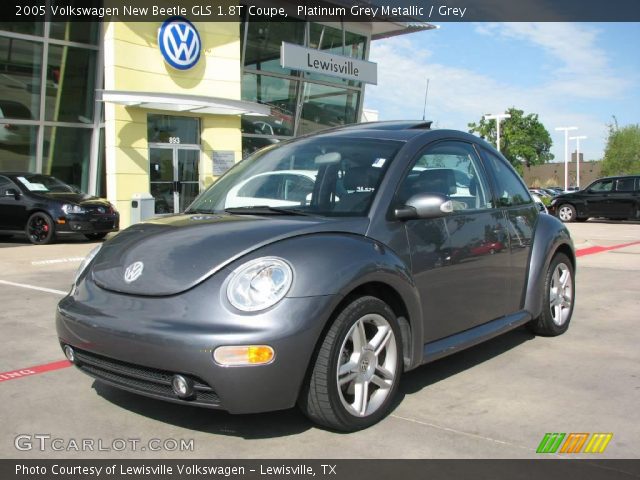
<point x="329" y="40"/>
<point x="20" y="67"/>
<point x="263" y="44"/>
<point x="18" y="147"/>
<point x="70" y="88"/>
<point x="325" y="106"/>
<point x="280" y="94"/>
<point x="26" y="28"/>
<point x="173" y="129"/>
<point x="66" y="154"/>
<point x="81" y="32"/>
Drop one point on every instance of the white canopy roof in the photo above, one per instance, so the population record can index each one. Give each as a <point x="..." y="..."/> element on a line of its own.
<point x="178" y="102"/>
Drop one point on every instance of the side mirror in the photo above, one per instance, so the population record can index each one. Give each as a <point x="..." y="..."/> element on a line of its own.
<point x="12" y="192"/>
<point x="425" y="205"/>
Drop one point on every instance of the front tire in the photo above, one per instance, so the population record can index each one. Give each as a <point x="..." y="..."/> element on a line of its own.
<point x="559" y="297"/>
<point x="567" y="213"/>
<point x="40" y="229"/>
<point x="356" y="371"/>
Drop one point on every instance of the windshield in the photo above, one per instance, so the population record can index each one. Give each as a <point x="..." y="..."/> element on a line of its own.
<point x="331" y="176"/>
<point x="43" y="183"/>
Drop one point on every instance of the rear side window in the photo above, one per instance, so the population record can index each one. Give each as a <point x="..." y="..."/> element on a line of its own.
<point x="625" y="184"/>
<point x="510" y="189"/>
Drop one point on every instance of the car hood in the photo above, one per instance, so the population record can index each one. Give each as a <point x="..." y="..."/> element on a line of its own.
<point x="180" y="251"/>
<point x="74" y="198"/>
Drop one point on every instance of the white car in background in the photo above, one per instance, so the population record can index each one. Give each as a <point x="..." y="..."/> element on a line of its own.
<point x="282" y="188"/>
<point x="10" y="133"/>
<point x="541" y="206"/>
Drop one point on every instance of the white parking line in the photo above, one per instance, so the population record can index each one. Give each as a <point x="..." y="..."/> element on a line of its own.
<point x="57" y="260"/>
<point x="461" y="432"/>
<point x="33" y="287"/>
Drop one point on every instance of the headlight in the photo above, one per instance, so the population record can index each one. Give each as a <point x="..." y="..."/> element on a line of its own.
<point x="259" y="284"/>
<point x="85" y="263"/>
<point x="68" y="208"/>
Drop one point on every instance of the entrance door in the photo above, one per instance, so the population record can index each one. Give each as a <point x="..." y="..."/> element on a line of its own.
<point x="173" y="171"/>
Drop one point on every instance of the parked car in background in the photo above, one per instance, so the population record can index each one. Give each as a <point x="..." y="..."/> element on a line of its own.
<point x="11" y="133"/>
<point x="539" y="203"/>
<point x="42" y="207"/>
<point x="382" y="261"/>
<point x="614" y="198"/>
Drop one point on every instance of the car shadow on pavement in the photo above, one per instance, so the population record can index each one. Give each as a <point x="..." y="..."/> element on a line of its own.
<point x="432" y="373"/>
<point x="254" y="426"/>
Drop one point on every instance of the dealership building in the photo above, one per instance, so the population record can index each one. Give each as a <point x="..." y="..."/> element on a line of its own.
<point x="120" y="109"/>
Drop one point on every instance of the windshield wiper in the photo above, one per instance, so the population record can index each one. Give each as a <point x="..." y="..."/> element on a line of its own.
<point x="264" y="210"/>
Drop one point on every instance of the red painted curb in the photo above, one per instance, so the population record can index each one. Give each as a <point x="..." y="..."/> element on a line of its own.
<point x="27" y="372"/>
<point x="591" y="250"/>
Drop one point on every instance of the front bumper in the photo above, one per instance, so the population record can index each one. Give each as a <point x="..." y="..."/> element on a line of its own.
<point x="87" y="223"/>
<point x="139" y="343"/>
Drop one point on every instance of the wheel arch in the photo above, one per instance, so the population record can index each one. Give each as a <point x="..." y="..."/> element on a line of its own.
<point x="551" y="237"/>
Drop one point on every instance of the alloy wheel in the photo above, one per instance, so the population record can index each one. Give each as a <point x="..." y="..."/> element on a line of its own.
<point x="560" y="294"/>
<point x="367" y="365"/>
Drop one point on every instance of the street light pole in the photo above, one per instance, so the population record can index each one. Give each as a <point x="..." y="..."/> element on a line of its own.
<point x="566" y="153"/>
<point x="497" y="117"/>
<point x="577" y="139"/>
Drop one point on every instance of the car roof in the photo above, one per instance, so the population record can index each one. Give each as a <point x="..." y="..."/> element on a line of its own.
<point x="402" y="130"/>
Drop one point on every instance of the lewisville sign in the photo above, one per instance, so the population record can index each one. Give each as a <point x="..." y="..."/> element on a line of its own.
<point x="310" y="60"/>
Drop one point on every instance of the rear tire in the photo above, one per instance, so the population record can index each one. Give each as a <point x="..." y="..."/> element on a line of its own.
<point x="356" y="371"/>
<point x="40" y="229"/>
<point x="558" y="300"/>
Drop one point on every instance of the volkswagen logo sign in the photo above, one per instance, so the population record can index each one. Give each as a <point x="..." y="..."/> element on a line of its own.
<point x="179" y="43"/>
<point x="133" y="272"/>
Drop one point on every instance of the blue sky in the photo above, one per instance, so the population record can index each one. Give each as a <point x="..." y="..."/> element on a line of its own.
<point x="571" y="74"/>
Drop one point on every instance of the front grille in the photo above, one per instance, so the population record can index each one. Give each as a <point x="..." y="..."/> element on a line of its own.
<point x="140" y="379"/>
<point x="99" y="209"/>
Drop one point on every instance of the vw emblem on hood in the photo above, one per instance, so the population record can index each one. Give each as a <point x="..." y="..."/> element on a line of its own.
<point x="133" y="272"/>
<point x="179" y="43"/>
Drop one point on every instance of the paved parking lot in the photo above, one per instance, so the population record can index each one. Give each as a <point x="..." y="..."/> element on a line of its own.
<point x="496" y="400"/>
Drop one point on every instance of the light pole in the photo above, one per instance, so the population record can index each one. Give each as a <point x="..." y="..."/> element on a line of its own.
<point x="497" y="117"/>
<point x="577" y="139"/>
<point x="566" y="153"/>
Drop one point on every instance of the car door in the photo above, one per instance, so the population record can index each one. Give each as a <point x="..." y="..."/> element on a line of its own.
<point x="623" y="199"/>
<point x="597" y="198"/>
<point x="458" y="261"/>
<point x="12" y="208"/>
<point x="520" y="214"/>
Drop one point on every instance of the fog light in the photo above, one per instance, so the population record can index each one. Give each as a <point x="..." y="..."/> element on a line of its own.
<point x="69" y="353"/>
<point x="182" y="387"/>
<point x="244" y="355"/>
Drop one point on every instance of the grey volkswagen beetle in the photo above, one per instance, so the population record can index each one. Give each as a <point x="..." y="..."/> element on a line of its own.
<point x="318" y="270"/>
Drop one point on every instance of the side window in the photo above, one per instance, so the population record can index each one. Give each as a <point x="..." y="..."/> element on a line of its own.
<point x="602" y="186"/>
<point x="450" y="168"/>
<point x="297" y="188"/>
<point x="263" y="186"/>
<point x="625" y="184"/>
<point x="510" y="189"/>
<point x="5" y="184"/>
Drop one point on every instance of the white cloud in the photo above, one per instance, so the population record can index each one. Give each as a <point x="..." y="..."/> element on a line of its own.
<point x="458" y="95"/>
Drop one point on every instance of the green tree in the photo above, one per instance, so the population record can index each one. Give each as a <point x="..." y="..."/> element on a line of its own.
<point x="524" y="141"/>
<point x="622" y="153"/>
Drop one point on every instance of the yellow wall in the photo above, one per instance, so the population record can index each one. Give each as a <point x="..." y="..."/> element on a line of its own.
<point x="133" y="62"/>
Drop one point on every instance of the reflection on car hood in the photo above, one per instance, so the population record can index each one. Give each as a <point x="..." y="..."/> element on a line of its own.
<point x="180" y="251"/>
<point x="74" y="198"/>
